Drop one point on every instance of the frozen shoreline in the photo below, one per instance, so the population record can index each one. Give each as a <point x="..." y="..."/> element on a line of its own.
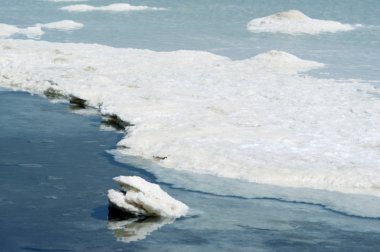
<point x="228" y="131"/>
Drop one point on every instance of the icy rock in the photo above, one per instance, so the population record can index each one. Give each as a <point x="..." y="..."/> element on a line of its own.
<point x="140" y="197"/>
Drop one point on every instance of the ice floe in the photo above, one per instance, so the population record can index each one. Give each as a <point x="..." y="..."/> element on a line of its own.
<point x="140" y="197"/>
<point x="37" y="30"/>
<point x="64" y="25"/>
<point x="258" y="119"/>
<point x="10" y="30"/>
<point x="116" y="7"/>
<point x="295" y="22"/>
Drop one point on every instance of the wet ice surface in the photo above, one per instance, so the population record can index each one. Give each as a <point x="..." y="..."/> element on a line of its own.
<point x="54" y="175"/>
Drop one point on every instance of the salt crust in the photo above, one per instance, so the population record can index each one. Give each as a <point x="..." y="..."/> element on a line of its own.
<point x="295" y="22"/>
<point x="258" y="119"/>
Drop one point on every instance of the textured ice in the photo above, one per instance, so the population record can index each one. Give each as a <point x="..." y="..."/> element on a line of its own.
<point x="295" y="22"/>
<point x="117" y="7"/>
<point x="140" y="197"/>
<point x="258" y="119"/>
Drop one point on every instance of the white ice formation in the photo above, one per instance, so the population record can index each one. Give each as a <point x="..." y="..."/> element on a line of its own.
<point x="295" y="22"/>
<point x="116" y="7"/>
<point x="258" y="119"/>
<point x="7" y="30"/>
<point x="37" y="30"/>
<point x="140" y="197"/>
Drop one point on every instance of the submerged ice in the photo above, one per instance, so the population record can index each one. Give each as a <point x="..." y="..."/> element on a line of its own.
<point x="258" y="119"/>
<point x="140" y="197"/>
<point x="295" y="22"/>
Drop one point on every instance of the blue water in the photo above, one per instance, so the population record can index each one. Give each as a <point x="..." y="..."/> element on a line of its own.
<point x="54" y="171"/>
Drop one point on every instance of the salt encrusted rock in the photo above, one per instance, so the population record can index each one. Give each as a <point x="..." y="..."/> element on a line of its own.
<point x="140" y="197"/>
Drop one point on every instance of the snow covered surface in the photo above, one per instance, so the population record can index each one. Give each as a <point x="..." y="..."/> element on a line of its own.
<point x="34" y="32"/>
<point x="140" y="197"/>
<point x="295" y="22"/>
<point x="258" y="119"/>
<point x="116" y="7"/>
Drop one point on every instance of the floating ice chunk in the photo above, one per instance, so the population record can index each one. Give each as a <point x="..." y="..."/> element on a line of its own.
<point x="140" y="197"/>
<point x="36" y="31"/>
<point x="64" y="25"/>
<point x="295" y="22"/>
<point x="117" y="7"/>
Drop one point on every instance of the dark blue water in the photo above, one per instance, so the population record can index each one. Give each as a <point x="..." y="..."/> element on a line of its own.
<point x="54" y="174"/>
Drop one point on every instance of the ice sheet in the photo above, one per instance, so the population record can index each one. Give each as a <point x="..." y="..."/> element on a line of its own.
<point x="257" y="120"/>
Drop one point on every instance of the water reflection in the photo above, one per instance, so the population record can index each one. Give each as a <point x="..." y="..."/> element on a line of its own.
<point x="129" y="228"/>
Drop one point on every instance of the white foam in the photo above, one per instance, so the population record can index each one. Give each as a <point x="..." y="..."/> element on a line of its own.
<point x="117" y="7"/>
<point x="295" y="22"/>
<point x="140" y="197"/>
<point x="64" y="25"/>
<point x="258" y="119"/>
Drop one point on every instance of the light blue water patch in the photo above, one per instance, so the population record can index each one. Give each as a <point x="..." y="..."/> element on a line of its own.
<point x="219" y="27"/>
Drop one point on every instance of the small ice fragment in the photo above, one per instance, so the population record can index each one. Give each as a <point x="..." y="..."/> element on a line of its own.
<point x="140" y="197"/>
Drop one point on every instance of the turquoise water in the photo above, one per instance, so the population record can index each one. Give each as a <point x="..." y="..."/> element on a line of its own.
<point x="40" y="176"/>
